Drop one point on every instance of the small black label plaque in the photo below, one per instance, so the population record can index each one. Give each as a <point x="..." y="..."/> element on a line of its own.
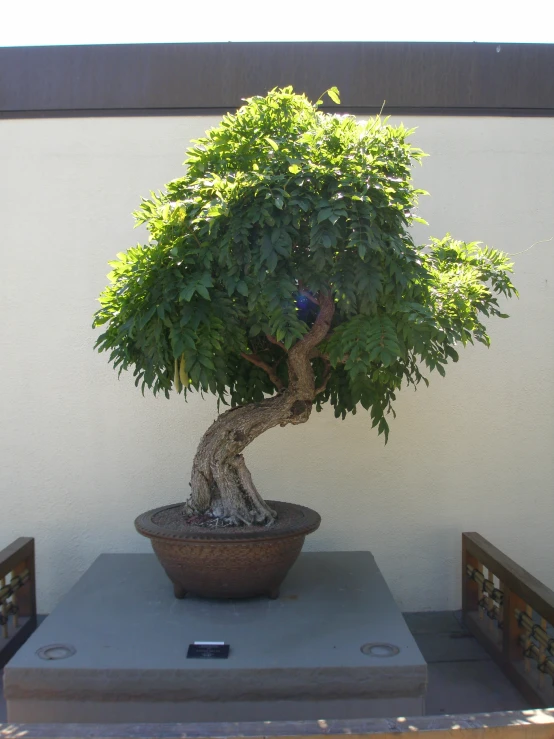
<point x="208" y="650"/>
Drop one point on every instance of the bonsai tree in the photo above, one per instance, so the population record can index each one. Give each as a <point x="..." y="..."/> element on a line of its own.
<point x="280" y="276"/>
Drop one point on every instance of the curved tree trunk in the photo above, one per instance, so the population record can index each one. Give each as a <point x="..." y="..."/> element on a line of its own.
<point x="221" y="484"/>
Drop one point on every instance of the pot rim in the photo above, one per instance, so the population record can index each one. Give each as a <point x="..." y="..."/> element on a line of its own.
<point x="307" y="522"/>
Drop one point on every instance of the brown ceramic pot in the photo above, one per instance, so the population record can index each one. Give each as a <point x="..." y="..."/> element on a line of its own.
<point x="233" y="562"/>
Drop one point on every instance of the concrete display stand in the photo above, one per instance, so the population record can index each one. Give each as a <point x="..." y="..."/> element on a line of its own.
<point x="124" y="639"/>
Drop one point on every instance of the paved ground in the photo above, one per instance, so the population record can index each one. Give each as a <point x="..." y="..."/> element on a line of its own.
<point x="462" y="677"/>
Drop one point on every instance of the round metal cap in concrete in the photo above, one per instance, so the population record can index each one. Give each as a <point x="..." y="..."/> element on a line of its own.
<point x="380" y="649"/>
<point x="56" y="651"/>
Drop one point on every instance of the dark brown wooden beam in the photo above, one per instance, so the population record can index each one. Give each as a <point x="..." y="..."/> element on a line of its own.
<point x="138" y="79"/>
<point x="500" y="725"/>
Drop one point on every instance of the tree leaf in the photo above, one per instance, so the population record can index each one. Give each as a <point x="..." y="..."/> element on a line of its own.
<point x="201" y="290"/>
<point x="334" y="95"/>
<point x="279" y="205"/>
<point x="188" y="291"/>
<point x="324" y="214"/>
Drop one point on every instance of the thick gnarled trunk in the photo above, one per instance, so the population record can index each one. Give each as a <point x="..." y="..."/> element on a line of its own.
<point x="221" y="484"/>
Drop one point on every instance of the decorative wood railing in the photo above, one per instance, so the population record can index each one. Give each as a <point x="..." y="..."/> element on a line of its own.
<point x="18" y="611"/>
<point x="511" y="614"/>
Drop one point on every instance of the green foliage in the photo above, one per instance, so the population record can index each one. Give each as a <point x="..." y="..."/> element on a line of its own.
<point x="279" y="203"/>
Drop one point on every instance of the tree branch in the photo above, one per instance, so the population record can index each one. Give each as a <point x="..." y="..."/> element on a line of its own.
<point x="273" y="340"/>
<point x="309" y="297"/>
<point x="326" y="376"/>
<point x="301" y="372"/>
<point x="321" y="327"/>
<point x="254" y="359"/>
<point x="316" y="354"/>
<point x="306" y="293"/>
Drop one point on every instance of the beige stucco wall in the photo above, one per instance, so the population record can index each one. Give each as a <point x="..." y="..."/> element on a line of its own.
<point x="81" y="452"/>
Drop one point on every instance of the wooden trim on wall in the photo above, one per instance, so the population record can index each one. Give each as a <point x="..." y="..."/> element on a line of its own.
<point x="195" y="79"/>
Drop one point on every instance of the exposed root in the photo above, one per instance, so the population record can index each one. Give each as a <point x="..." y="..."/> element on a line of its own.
<point x="209" y="521"/>
<point x="228" y="497"/>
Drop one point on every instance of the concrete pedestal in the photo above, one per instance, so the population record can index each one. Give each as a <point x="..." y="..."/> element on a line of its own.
<point x="298" y="657"/>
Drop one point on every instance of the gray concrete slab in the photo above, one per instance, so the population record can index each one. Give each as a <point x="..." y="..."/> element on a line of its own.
<point x="298" y="657"/>
<point x="453" y="686"/>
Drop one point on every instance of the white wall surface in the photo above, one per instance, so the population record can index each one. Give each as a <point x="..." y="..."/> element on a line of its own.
<point x="82" y="453"/>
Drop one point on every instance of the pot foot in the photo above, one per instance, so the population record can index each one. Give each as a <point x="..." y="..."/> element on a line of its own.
<point x="179" y="591"/>
<point x="273" y="594"/>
